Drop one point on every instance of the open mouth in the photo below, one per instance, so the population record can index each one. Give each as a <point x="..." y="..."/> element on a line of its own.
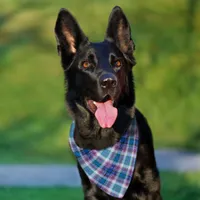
<point x="92" y="105"/>
<point x="104" y="111"/>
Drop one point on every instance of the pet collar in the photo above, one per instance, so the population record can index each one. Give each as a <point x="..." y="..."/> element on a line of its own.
<point x="111" y="169"/>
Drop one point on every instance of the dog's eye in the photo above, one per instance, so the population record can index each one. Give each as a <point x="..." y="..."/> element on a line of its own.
<point x="85" y="64"/>
<point x="118" y="63"/>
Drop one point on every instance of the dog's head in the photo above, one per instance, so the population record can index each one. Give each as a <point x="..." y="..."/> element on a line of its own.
<point x="98" y="75"/>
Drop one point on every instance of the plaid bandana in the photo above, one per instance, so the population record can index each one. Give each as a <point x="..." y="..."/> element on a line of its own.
<point x="111" y="169"/>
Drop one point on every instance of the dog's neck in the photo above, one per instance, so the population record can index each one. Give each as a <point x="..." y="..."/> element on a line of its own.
<point x="88" y="134"/>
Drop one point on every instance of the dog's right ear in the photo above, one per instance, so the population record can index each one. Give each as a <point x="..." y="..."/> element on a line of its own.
<point x="69" y="36"/>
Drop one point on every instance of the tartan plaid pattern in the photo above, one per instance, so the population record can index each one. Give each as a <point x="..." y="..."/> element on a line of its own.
<point x="111" y="169"/>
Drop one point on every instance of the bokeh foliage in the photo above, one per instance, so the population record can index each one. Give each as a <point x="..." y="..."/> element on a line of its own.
<point x="34" y="124"/>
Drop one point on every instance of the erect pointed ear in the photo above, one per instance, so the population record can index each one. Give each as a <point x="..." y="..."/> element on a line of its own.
<point x="69" y="36"/>
<point x="119" y="32"/>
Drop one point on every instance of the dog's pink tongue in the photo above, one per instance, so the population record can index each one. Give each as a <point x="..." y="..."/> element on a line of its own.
<point x="106" y="114"/>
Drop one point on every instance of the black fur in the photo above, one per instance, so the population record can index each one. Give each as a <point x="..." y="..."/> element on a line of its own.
<point x="85" y="84"/>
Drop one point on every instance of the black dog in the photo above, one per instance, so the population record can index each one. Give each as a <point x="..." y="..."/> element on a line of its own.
<point x="100" y="75"/>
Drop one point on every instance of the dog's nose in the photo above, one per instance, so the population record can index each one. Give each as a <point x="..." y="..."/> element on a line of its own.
<point x="108" y="81"/>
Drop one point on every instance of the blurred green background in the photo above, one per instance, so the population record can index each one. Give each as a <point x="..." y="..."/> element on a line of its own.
<point x="34" y="123"/>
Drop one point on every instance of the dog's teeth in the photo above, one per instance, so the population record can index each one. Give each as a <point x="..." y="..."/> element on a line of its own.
<point x="94" y="102"/>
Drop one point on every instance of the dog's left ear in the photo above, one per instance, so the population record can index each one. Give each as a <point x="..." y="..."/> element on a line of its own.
<point x="119" y="31"/>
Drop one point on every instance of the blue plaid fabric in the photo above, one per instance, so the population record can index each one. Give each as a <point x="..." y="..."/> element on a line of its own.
<point x="111" y="169"/>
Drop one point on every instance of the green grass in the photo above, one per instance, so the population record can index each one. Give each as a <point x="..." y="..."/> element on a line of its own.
<point x="180" y="186"/>
<point x="174" y="186"/>
<point x="34" y="124"/>
<point x="41" y="194"/>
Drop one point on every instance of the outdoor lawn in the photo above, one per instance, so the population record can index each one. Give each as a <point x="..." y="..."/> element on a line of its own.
<point x="174" y="187"/>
